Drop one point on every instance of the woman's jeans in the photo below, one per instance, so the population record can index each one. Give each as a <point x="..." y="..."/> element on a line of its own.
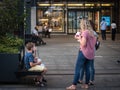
<point x="92" y="72"/>
<point x="81" y="63"/>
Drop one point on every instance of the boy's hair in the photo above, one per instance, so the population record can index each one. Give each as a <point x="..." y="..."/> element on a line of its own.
<point x="29" y="45"/>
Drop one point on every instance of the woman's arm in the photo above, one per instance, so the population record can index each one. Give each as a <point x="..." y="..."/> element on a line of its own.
<point x="82" y="41"/>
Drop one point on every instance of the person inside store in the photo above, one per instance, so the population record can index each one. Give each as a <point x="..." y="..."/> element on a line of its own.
<point x="47" y="30"/>
<point x="40" y="29"/>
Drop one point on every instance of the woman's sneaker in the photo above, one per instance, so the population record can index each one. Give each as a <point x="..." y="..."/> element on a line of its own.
<point x="80" y="82"/>
<point x="91" y="83"/>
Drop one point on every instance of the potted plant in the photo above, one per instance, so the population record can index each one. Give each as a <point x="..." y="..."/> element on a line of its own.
<point x="10" y="43"/>
<point x="10" y="55"/>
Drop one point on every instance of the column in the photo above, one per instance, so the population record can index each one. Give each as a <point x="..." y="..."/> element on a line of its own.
<point x="33" y="17"/>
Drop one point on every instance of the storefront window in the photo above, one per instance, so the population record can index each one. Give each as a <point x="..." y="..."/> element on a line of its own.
<point x="65" y="17"/>
<point x="57" y="21"/>
<point x="52" y="16"/>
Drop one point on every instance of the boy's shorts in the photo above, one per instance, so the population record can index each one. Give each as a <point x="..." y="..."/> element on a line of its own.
<point x="37" y="68"/>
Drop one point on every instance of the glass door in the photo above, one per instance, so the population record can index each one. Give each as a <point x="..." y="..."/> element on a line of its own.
<point x="74" y="18"/>
<point x="72" y="22"/>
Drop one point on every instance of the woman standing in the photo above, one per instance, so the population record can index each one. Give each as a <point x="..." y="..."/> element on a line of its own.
<point x="86" y="53"/>
<point x="92" y="69"/>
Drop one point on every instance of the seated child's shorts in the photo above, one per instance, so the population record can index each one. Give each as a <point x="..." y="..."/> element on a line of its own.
<point x="37" y="68"/>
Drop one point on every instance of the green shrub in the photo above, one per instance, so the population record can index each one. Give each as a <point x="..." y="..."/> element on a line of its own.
<point x="11" y="17"/>
<point x="10" y="44"/>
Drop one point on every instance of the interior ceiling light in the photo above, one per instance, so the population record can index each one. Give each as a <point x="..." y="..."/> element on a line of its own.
<point x="44" y="4"/>
<point x="58" y="4"/>
<point x="106" y="5"/>
<point x="75" y="4"/>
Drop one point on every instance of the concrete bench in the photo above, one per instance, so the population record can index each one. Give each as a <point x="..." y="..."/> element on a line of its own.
<point x="24" y="73"/>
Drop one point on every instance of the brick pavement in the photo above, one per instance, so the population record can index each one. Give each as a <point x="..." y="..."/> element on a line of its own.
<point x="60" y="55"/>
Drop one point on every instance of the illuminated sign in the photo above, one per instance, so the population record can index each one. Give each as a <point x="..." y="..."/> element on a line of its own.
<point x="107" y="19"/>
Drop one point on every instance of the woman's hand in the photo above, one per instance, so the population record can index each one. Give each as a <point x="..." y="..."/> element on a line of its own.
<point x="77" y="35"/>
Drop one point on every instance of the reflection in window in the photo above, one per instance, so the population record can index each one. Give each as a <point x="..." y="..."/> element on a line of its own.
<point x="54" y="18"/>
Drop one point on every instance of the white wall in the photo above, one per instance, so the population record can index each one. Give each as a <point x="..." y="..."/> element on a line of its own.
<point x="33" y="17"/>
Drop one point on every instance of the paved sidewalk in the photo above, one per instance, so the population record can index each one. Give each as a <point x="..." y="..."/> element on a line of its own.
<point x="59" y="55"/>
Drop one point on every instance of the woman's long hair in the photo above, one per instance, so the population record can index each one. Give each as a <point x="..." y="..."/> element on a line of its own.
<point x="86" y="25"/>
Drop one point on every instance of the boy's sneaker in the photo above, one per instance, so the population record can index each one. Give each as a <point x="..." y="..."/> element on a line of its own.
<point x="80" y="82"/>
<point x="38" y="83"/>
<point x="44" y="80"/>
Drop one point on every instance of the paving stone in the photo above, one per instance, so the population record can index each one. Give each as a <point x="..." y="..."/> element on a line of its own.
<point x="59" y="56"/>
